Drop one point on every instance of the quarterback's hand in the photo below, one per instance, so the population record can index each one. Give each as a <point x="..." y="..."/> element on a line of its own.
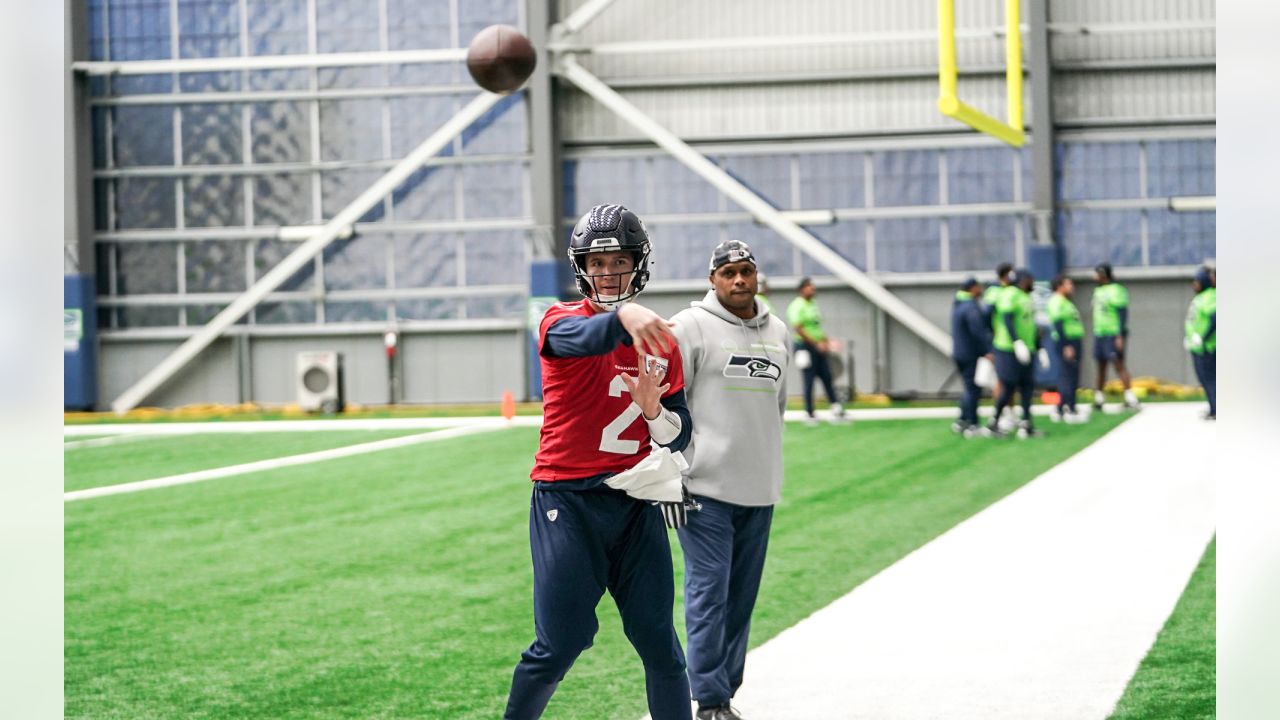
<point x="1022" y="352"/>
<point x="650" y="333"/>
<point x="646" y="387"/>
<point x="676" y="514"/>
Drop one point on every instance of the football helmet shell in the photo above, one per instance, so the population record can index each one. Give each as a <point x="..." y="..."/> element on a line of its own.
<point x="610" y="228"/>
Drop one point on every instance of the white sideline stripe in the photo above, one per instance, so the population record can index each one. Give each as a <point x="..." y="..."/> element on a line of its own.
<point x="1040" y="606"/>
<point x="254" y="426"/>
<point x="272" y="464"/>
<point x="104" y="441"/>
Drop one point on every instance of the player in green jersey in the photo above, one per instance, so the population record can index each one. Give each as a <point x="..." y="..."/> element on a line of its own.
<point x="1202" y="336"/>
<point x="1111" y="333"/>
<point x="1016" y="341"/>
<point x="1068" y="334"/>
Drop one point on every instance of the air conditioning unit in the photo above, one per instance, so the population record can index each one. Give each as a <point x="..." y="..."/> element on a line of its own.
<point x="320" y="381"/>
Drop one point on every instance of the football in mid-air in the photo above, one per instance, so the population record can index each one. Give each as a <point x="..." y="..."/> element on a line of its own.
<point x="500" y="58"/>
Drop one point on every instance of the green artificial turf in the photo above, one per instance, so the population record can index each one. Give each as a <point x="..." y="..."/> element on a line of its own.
<point x="164" y="455"/>
<point x="1178" y="678"/>
<point x="398" y="584"/>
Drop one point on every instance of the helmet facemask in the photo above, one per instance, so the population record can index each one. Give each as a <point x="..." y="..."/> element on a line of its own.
<point x="630" y="282"/>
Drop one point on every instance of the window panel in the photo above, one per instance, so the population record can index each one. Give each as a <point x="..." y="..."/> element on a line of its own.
<point x="357" y="311"/>
<point x="143" y="135"/>
<point x="281" y="132"/>
<point x="277" y="27"/>
<point x="211" y="135"/>
<point x="146" y="268"/>
<point x="428" y="194"/>
<point x="503" y="129"/>
<point x="268" y="253"/>
<point x="414" y="119"/>
<point x="768" y="176"/>
<point x="592" y="181"/>
<point x="213" y="201"/>
<point x="979" y="175"/>
<point x="145" y="202"/>
<point x="832" y="180"/>
<point x="215" y="266"/>
<point x="285" y="313"/>
<point x="1093" y="236"/>
<point x="493" y="190"/>
<point x="1177" y="238"/>
<point x="351" y="130"/>
<point x="427" y="260"/>
<point x="283" y="199"/>
<point x="502" y="306"/>
<point x="139" y="30"/>
<point x="418" y="24"/>
<point x="908" y="245"/>
<point x="681" y="251"/>
<point x="498" y="257"/>
<point x="209" y="28"/>
<point x="677" y="189"/>
<point x="905" y="177"/>
<point x="346" y="26"/>
<point x="359" y="263"/>
<point x="476" y="15"/>
<point x="339" y="187"/>
<point x="981" y="242"/>
<point x="846" y="237"/>
<point x="1181" y="167"/>
<point x="1098" y="171"/>
<point x="147" y="317"/>
<point x="430" y="309"/>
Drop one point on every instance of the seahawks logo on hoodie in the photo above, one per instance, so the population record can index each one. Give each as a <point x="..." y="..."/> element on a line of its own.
<point x="752" y="366"/>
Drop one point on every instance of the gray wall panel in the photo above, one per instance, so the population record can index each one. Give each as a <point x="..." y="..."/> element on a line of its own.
<point x="1133" y="97"/>
<point x="213" y="377"/>
<point x="463" y="367"/>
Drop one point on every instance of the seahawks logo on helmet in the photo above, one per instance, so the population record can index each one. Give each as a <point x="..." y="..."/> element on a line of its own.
<point x="752" y="366"/>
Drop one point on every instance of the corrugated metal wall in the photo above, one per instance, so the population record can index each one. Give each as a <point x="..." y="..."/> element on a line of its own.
<point x="1118" y="63"/>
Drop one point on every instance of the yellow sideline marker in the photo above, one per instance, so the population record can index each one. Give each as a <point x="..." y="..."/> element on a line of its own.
<point x="949" y="101"/>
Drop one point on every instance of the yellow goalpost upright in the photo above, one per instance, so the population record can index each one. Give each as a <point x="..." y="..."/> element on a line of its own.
<point x="949" y="102"/>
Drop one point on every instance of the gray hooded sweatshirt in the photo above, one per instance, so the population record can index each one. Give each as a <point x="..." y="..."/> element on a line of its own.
<point x="735" y="374"/>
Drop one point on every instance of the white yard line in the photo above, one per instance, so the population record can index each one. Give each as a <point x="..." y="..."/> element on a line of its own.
<point x="1040" y="606"/>
<point x="105" y="441"/>
<point x="272" y="464"/>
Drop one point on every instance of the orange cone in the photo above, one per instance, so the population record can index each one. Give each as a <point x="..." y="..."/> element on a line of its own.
<point x="508" y="404"/>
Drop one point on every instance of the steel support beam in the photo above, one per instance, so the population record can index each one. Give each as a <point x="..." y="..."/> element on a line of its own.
<point x="324" y="235"/>
<point x="761" y="210"/>
<point x="1042" y="137"/>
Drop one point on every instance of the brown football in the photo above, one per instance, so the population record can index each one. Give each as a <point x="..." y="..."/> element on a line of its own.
<point x="500" y="59"/>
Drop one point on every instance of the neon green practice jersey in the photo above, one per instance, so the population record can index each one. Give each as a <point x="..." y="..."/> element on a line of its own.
<point x="805" y="313"/>
<point x="1108" y="300"/>
<point x="1199" y="319"/>
<point x="1016" y="303"/>
<point x="1062" y="310"/>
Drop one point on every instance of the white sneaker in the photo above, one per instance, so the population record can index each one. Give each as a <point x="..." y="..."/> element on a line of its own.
<point x="811" y="421"/>
<point x="1131" y="400"/>
<point x="1075" y="418"/>
<point x="1097" y="399"/>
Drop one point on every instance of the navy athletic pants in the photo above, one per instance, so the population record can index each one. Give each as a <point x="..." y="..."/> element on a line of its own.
<point x="584" y="543"/>
<point x="1207" y="370"/>
<point x="969" y="400"/>
<point x="724" y="547"/>
<point x="1068" y="375"/>
<point x="818" y="369"/>
<point x="1014" y="376"/>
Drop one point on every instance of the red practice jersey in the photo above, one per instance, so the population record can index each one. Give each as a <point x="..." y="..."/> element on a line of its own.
<point x="590" y="426"/>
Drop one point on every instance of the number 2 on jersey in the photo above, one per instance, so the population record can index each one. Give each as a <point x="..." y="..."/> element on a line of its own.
<point x="609" y="437"/>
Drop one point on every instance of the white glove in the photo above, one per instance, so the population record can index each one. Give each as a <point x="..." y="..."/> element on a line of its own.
<point x="1193" y="342"/>
<point x="1022" y="352"/>
<point x="985" y="374"/>
<point x="1042" y="356"/>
